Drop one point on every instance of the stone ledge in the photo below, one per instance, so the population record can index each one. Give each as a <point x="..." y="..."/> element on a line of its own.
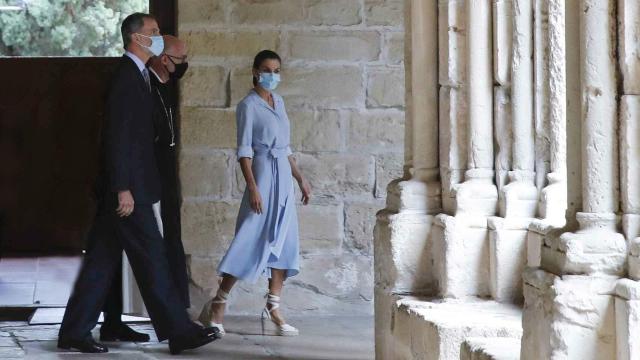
<point x="490" y="349"/>
<point x="627" y="310"/>
<point x="566" y="310"/>
<point x="433" y="329"/>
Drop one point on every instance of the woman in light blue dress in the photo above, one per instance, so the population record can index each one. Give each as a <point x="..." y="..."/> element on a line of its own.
<point x="266" y="239"/>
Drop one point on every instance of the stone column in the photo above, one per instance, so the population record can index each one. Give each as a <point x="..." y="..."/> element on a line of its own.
<point x="402" y="244"/>
<point x="420" y="191"/>
<point x="554" y="195"/>
<point x="551" y="114"/>
<point x="628" y="290"/>
<point x="597" y="246"/>
<point x="581" y="267"/>
<point x="520" y="196"/>
<point x="478" y="195"/>
<point x="630" y="179"/>
<point x="512" y="110"/>
<point x="424" y="94"/>
<point x="502" y="119"/>
<point x="453" y="107"/>
<point x="411" y="201"/>
<point x="461" y="242"/>
<point x="628" y="12"/>
<point x="541" y="79"/>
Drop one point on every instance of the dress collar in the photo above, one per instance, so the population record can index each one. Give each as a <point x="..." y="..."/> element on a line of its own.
<point x="262" y="102"/>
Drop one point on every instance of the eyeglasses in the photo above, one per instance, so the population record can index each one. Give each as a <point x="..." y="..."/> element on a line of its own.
<point x="180" y="60"/>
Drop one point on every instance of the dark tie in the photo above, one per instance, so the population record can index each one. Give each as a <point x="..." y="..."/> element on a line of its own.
<point x="145" y="75"/>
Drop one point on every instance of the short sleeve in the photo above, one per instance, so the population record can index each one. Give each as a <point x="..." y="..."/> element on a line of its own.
<point x="244" y="123"/>
<point x="289" y="152"/>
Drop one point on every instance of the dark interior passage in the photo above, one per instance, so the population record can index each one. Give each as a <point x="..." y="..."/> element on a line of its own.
<point x="51" y="111"/>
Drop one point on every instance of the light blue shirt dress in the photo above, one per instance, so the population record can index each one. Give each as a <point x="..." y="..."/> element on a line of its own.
<point x="269" y="240"/>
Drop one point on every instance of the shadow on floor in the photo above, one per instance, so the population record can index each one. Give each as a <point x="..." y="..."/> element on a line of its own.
<point x="321" y="338"/>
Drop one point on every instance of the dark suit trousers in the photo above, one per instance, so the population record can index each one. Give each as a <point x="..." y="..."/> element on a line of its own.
<point x="138" y="235"/>
<point x="175" y="250"/>
<point x="175" y="255"/>
<point x="103" y="229"/>
<point x="170" y="207"/>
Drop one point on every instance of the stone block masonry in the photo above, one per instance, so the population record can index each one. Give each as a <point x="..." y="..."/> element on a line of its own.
<point x="343" y="85"/>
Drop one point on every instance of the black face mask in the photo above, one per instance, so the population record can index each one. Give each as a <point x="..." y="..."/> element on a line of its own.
<point x="180" y="69"/>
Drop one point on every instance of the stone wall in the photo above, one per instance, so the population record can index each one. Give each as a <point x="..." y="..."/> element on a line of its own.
<point x="343" y="84"/>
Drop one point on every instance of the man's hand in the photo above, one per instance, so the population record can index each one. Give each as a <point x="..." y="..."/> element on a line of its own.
<point x="125" y="203"/>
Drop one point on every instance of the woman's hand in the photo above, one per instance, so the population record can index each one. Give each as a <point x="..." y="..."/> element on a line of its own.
<point x="302" y="182"/>
<point x="256" y="201"/>
<point x="306" y="190"/>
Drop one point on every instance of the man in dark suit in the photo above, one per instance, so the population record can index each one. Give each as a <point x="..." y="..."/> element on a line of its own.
<point x="133" y="189"/>
<point x="165" y="70"/>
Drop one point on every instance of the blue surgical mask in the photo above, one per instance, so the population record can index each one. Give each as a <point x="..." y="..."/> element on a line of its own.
<point x="157" y="44"/>
<point x="269" y="81"/>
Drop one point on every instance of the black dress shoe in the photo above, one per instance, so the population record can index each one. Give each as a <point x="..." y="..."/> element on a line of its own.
<point x="87" y="345"/>
<point x="212" y="331"/>
<point x="121" y="332"/>
<point x="182" y="343"/>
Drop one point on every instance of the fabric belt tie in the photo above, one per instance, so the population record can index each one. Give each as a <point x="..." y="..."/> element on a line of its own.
<point x="281" y="184"/>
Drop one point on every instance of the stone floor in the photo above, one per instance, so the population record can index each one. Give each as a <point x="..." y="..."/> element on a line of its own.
<point x="321" y="338"/>
<point x="37" y="281"/>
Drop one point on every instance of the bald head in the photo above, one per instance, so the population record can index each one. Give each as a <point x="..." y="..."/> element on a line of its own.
<point x="174" y="54"/>
<point x="174" y="46"/>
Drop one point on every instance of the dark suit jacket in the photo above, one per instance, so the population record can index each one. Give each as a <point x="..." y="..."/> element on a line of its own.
<point x="129" y="136"/>
<point x="166" y="134"/>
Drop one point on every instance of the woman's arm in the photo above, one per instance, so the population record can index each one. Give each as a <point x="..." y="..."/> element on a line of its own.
<point x="254" y="195"/>
<point x="302" y="182"/>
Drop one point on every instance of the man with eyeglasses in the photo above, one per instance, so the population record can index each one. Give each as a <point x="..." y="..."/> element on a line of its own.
<point x="166" y="69"/>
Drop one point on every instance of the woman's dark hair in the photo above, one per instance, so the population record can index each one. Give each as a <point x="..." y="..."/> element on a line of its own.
<point x="260" y="58"/>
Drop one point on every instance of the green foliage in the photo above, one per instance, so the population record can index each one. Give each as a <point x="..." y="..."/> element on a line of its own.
<point x="65" y="27"/>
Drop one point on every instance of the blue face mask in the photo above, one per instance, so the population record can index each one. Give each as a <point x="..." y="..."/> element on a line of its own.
<point x="157" y="44"/>
<point x="269" y="81"/>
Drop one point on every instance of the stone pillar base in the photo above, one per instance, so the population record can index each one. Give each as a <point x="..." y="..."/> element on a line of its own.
<point x="414" y="195"/>
<point x="402" y="248"/>
<point x="519" y="198"/>
<point x="507" y="257"/>
<point x="631" y="229"/>
<point x="631" y="226"/>
<point x="568" y="317"/>
<point x="461" y="256"/>
<point x="595" y="248"/>
<point x="478" y="195"/>
<point x="539" y="230"/>
<point x="634" y="259"/>
<point x="553" y="198"/>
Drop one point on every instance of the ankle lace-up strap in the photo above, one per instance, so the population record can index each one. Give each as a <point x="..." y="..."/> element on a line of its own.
<point x="221" y="297"/>
<point x="273" y="300"/>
